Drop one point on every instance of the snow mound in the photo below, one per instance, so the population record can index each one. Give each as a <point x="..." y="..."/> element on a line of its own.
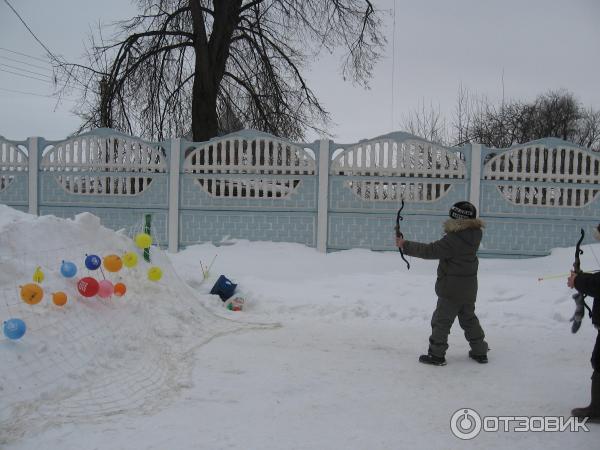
<point x="91" y="358"/>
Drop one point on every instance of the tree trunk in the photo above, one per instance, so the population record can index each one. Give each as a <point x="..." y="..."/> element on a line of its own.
<point x="211" y="58"/>
<point x="205" y="123"/>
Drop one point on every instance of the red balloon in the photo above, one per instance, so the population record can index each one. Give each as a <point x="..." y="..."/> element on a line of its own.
<point x="88" y="286"/>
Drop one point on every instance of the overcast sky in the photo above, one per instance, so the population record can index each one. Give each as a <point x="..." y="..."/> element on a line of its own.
<point x="533" y="45"/>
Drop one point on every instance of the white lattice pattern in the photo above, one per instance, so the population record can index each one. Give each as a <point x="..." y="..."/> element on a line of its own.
<point x="238" y="155"/>
<point x="12" y="159"/>
<point x="87" y="165"/>
<point x="111" y="153"/>
<point x="242" y="188"/>
<point x="548" y="196"/>
<point x="409" y="158"/>
<point x="258" y="155"/>
<point x="538" y="163"/>
<point x="103" y="184"/>
<point x="390" y="191"/>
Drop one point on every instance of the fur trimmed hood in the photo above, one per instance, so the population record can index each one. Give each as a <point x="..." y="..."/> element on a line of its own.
<point x="455" y="225"/>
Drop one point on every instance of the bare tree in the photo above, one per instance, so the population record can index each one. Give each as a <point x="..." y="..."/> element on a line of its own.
<point x="462" y="116"/>
<point x="552" y="114"/>
<point x="428" y="123"/>
<point x="588" y="130"/>
<point x="207" y="65"/>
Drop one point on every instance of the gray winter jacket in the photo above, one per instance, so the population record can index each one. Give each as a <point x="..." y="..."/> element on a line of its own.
<point x="457" y="252"/>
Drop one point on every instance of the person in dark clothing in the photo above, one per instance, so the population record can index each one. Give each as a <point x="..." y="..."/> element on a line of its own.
<point x="589" y="284"/>
<point x="456" y="285"/>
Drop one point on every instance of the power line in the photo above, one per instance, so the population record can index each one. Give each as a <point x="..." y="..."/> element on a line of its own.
<point x="28" y="64"/>
<point x="48" y="80"/>
<point x="23" y="54"/>
<point x="32" y="33"/>
<point x="34" y="94"/>
<point x="24" y="70"/>
<point x="25" y="76"/>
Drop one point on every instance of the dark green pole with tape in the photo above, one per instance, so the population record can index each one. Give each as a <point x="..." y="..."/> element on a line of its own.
<point x="147" y="229"/>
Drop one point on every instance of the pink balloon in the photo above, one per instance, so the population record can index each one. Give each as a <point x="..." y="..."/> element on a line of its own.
<point x="105" y="289"/>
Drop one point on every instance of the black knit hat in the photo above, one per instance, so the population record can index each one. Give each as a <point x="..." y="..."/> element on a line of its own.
<point x="463" y="210"/>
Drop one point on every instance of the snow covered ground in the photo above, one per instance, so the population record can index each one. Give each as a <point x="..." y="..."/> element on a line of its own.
<point x="324" y="355"/>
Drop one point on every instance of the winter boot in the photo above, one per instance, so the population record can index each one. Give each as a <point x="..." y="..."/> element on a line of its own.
<point x="432" y="359"/>
<point x="481" y="359"/>
<point x="593" y="410"/>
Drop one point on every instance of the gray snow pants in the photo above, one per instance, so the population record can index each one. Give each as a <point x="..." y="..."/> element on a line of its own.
<point x="442" y="320"/>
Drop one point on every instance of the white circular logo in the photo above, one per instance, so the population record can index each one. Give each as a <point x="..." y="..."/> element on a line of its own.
<point x="465" y="423"/>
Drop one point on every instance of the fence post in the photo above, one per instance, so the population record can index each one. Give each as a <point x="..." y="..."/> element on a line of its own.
<point x="33" y="145"/>
<point x="174" y="167"/>
<point x="475" y="175"/>
<point x="323" y="189"/>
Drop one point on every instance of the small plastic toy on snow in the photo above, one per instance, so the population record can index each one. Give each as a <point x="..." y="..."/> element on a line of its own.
<point x="235" y="304"/>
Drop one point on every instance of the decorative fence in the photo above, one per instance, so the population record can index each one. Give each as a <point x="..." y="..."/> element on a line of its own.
<point x="251" y="185"/>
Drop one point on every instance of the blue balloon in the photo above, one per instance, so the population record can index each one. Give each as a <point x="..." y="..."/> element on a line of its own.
<point x="68" y="269"/>
<point x="92" y="262"/>
<point x="14" y="328"/>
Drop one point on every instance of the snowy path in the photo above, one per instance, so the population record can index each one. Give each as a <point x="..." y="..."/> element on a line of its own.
<point x="352" y="387"/>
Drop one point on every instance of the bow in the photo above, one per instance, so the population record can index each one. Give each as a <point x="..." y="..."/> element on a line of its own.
<point x="580" y="305"/>
<point x="399" y="234"/>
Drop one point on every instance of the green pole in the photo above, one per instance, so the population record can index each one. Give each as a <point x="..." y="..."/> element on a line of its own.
<point x="147" y="227"/>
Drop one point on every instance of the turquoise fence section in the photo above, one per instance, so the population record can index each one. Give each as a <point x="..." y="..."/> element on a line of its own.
<point x="248" y="185"/>
<point x="116" y="177"/>
<point x="14" y="176"/>
<point x="401" y="167"/>
<point x="251" y="185"/>
<point x="538" y="196"/>
<point x="355" y="222"/>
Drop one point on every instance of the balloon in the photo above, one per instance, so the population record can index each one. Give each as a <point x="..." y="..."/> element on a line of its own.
<point x="59" y="298"/>
<point x="143" y="240"/>
<point x="88" y="286"/>
<point x="113" y="263"/>
<point x="38" y="275"/>
<point x="14" y="328"/>
<point x="130" y="259"/>
<point x="120" y="289"/>
<point x="154" y="273"/>
<point x="32" y="293"/>
<point x="92" y="262"/>
<point x="68" y="269"/>
<point x="105" y="289"/>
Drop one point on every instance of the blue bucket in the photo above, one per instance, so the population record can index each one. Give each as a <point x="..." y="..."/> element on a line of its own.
<point x="224" y="288"/>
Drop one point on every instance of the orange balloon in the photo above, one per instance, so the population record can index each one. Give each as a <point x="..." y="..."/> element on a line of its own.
<point x="113" y="263"/>
<point x="59" y="298"/>
<point x="120" y="289"/>
<point x="32" y="293"/>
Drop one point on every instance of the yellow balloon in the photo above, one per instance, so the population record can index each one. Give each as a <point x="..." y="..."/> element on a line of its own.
<point x="143" y="240"/>
<point x="32" y="293"/>
<point x="154" y="273"/>
<point x="130" y="259"/>
<point x="38" y="275"/>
